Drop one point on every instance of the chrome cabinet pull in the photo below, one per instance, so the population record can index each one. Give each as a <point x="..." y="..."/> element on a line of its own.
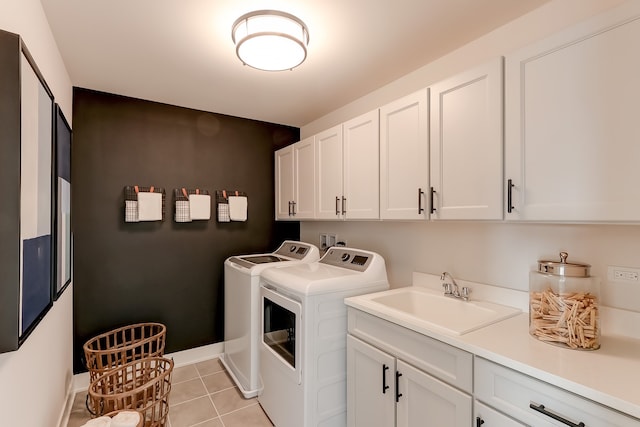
<point x="433" y="208"/>
<point x="542" y="410"/>
<point x="420" y="208"/>
<point x="385" y="368"/>
<point x="510" y="196"/>
<point x="398" y="394"/>
<point x="337" y="208"/>
<point x="344" y="205"/>
<point x="293" y="204"/>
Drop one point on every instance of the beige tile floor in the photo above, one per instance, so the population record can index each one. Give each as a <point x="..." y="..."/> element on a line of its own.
<point x="202" y="395"/>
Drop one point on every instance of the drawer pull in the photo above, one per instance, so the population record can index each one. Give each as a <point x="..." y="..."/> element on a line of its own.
<point x="542" y="410"/>
<point x="337" y="208"/>
<point x="479" y="421"/>
<point x="398" y="394"/>
<point x="385" y="368"/>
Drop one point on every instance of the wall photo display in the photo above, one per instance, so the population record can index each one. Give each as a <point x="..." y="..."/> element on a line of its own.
<point x="63" y="245"/>
<point x="36" y="195"/>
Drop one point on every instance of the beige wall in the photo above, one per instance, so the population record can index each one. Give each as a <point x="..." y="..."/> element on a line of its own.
<point x="34" y="380"/>
<point x="495" y="253"/>
<point x="500" y="254"/>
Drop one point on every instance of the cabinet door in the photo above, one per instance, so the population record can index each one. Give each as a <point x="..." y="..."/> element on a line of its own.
<point x="329" y="174"/>
<point x="485" y="416"/>
<point x="572" y="127"/>
<point x="284" y="176"/>
<point x="404" y="158"/>
<point x="427" y="402"/>
<point x="466" y="144"/>
<point x="304" y="186"/>
<point x="370" y="386"/>
<point x="361" y="186"/>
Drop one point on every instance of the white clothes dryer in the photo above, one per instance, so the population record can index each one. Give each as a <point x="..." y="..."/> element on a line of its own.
<point x="242" y="309"/>
<point x="304" y="330"/>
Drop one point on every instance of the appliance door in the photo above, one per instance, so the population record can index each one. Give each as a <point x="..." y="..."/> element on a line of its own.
<point x="281" y="329"/>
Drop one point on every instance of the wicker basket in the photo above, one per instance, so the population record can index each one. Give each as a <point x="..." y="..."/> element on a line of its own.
<point x="123" y="345"/>
<point x="142" y="385"/>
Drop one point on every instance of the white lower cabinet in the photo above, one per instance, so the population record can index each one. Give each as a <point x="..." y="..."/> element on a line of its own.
<point x="384" y="390"/>
<point x="486" y="416"/>
<point x="370" y="388"/>
<point x="537" y="403"/>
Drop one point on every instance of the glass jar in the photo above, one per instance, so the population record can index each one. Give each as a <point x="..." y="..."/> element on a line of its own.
<point x="564" y="304"/>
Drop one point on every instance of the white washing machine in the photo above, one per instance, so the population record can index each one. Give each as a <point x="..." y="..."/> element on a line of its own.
<point x="242" y="309"/>
<point x="304" y="327"/>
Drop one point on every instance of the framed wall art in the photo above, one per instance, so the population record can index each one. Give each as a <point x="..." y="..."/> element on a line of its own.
<point x="36" y="191"/>
<point x="62" y="206"/>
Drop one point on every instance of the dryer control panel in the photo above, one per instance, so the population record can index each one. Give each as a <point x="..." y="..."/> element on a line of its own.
<point x="352" y="259"/>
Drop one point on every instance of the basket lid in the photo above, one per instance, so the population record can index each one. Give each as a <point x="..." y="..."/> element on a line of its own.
<point x="564" y="268"/>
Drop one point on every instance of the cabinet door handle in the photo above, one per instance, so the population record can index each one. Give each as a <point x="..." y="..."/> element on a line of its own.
<point x="398" y="394"/>
<point x="420" y="208"/>
<point x="344" y="205"/>
<point x="479" y="421"/>
<point x="293" y="204"/>
<point x="510" y="195"/>
<point x="433" y="208"/>
<point x="289" y="207"/>
<point x="542" y="410"/>
<point x="337" y="208"/>
<point x="385" y="368"/>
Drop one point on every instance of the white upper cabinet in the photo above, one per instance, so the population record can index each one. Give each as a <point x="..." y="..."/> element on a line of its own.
<point x="347" y="159"/>
<point x="294" y="180"/>
<point x="284" y="171"/>
<point x="404" y="158"/>
<point x="361" y="176"/>
<point x="467" y="144"/>
<point x="304" y="188"/>
<point x="572" y="126"/>
<point x="329" y="174"/>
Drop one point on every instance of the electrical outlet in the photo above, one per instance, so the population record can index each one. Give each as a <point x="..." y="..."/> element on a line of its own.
<point x="327" y="240"/>
<point x="623" y="274"/>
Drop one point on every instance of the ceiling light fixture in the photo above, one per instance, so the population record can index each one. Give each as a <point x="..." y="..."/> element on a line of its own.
<point x="270" y="40"/>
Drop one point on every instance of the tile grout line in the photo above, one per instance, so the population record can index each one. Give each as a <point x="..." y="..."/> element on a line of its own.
<point x="215" y="408"/>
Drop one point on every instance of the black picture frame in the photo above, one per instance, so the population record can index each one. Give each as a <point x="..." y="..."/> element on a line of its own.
<point x="63" y="248"/>
<point x="36" y="196"/>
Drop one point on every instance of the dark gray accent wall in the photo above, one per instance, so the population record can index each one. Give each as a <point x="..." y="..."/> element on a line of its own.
<point x="10" y="182"/>
<point x="165" y="272"/>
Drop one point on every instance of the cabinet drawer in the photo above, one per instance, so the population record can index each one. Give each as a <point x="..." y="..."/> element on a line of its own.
<point x="512" y="392"/>
<point x="447" y="363"/>
<point x="485" y="416"/>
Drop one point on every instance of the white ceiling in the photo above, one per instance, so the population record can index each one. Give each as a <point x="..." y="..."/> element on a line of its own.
<point x="180" y="51"/>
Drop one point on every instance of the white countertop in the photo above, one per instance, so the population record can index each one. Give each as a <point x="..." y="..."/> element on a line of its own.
<point x="609" y="375"/>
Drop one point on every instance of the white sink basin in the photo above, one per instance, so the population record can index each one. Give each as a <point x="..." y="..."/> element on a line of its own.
<point x="425" y="308"/>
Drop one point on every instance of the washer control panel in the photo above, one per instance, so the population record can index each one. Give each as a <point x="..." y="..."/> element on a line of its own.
<point x="352" y="259"/>
<point x="295" y="250"/>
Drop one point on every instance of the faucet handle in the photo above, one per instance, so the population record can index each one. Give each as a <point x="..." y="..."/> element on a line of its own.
<point x="447" y="288"/>
<point x="465" y="292"/>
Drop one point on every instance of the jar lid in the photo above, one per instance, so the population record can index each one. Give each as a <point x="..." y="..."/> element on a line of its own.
<point x="563" y="268"/>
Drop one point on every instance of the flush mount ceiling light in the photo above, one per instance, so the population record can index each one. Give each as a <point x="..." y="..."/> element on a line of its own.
<point x="270" y="40"/>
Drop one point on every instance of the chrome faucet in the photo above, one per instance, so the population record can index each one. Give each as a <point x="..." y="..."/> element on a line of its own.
<point x="452" y="289"/>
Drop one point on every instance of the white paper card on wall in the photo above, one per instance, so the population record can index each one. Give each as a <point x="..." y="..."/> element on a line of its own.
<point x="200" y="206"/>
<point x="238" y="208"/>
<point x="149" y="206"/>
